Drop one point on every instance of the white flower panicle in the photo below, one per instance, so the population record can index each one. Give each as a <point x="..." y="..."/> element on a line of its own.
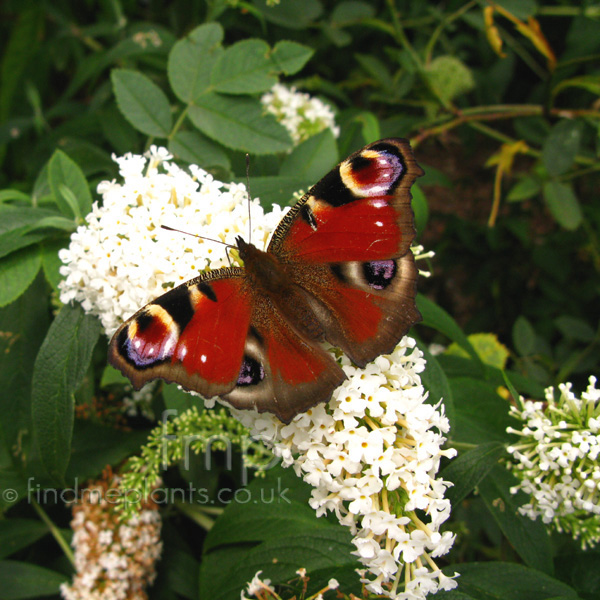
<point x="121" y="259"/>
<point x="113" y="560"/>
<point x="557" y="462"/>
<point x="302" y="115"/>
<point x="372" y="455"/>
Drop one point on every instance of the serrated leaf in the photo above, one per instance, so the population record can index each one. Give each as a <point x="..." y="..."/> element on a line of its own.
<point x="244" y="68"/>
<point x="523" y="336"/>
<point x="563" y="204"/>
<point x="142" y="102"/>
<point x="450" y="77"/>
<point x="197" y="149"/>
<point x="488" y="348"/>
<point x="529" y="538"/>
<point x="469" y="468"/>
<point x="17" y="271"/>
<point x="290" y="57"/>
<point x="239" y="123"/>
<point x="65" y="177"/>
<point x="19" y="580"/>
<point x="312" y="159"/>
<point x="561" y="146"/>
<point x="59" y="369"/>
<point x="192" y="59"/>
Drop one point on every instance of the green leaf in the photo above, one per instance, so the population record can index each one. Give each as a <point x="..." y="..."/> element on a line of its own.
<point x="197" y="149"/>
<point x="19" y="533"/>
<point x="244" y="68"/>
<point x="276" y="190"/>
<point x="525" y="188"/>
<point x="591" y="83"/>
<point x="239" y="123"/>
<point x="351" y="12"/>
<point x="311" y="159"/>
<point x="436" y="383"/>
<point x="529" y="538"/>
<point x="488" y="348"/>
<point x="575" y="329"/>
<point x="23" y="325"/>
<point x="51" y="264"/>
<point x="561" y="146"/>
<point x="95" y="446"/>
<point x="69" y="186"/>
<point x="436" y="317"/>
<point x="420" y="208"/>
<point x="523" y="336"/>
<point x="22" y="580"/>
<point x="192" y="59"/>
<point x="7" y="195"/>
<point x="19" y="238"/>
<point x="292" y="15"/>
<point x="469" y="468"/>
<point x="481" y="414"/>
<point x="449" y="77"/>
<point x="142" y="102"/>
<point x="17" y="271"/>
<point x="563" y="204"/>
<point x="59" y="369"/>
<point x="506" y="581"/>
<point x="290" y="57"/>
<point x="179" y="400"/>
<point x="111" y="376"/>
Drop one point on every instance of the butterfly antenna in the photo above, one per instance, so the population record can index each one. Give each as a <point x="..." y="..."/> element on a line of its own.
<point x="249" y="198"/>
<point x="202" y="238"/>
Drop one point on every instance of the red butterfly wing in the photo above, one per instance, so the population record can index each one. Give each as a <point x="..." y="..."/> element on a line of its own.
<point x="347" y="245"/>
<point x="193" y="335"/>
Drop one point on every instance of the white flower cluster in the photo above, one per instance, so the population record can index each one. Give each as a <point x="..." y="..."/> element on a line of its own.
<point x="302" y="115"/>
<point x="121" y="259"/>
<point x="113" y="560"/>
<point x="261" y="588"/>
<point x="372" y="455"/>
<point x="557" y="462"/>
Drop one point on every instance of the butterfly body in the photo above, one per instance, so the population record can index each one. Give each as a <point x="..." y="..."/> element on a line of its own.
<point x="338" y="269"/>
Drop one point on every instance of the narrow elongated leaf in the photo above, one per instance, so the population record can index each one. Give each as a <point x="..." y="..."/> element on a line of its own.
<point x="239" y="123"/>
<point x="19" y="533"/>
<point x="468" y="469"/>
<point x="142" y="102"/>
<point x="59" y="369"/>
<point x="51" y="264"/>
<point x="192" y="59"/>
<point x="311" y="159"/>
<point x="64" y="176"/>
<point x="244" y="68"/>
<point x="436" y="317"/>
<point x="22" y="580"/>
<point x="481" y="414"/>
<point x="529" y="538"/>
<point x="17" y="271"/>
<point x="290" y="57"/>
<point x="563" y="204"/>
<point x="506" y="581"/>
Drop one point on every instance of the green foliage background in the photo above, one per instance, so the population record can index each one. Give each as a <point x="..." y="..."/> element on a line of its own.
<point x="509" y="203"/>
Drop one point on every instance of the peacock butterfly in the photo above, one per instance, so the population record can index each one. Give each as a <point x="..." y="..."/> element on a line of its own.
<point x="338" y="268"/>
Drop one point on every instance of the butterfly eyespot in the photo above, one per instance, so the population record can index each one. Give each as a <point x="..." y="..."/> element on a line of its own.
<point x="251" y="372"/>
<point x="379" y="273"/>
